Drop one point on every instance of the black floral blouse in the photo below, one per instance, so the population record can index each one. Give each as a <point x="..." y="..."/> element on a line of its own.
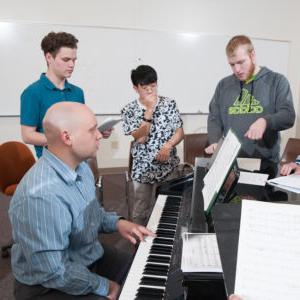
<point x="166" y="119"/>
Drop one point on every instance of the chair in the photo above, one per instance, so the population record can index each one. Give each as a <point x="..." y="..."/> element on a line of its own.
<point x="15" y="160"/>
<point x="291" y="151"/>
<point x="129" y="182"/>
<point x="193" y="146"/>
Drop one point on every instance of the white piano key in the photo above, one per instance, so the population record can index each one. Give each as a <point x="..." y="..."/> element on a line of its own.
<point x="132" y="283"/>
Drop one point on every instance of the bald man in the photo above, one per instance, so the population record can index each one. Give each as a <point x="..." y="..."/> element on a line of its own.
<point x="56" y="218"/>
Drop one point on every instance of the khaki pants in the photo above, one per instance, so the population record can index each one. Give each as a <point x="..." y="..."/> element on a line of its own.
<point x="141" y="196"/>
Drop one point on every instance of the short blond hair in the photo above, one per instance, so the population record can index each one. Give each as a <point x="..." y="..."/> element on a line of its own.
<point x="236" y="41"/>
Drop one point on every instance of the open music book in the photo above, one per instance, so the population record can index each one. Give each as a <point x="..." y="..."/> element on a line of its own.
<point x="200" y="253"/>
<point x="253" y="178"/>
<point x="220" y="168"/>
<point x="269" y="251"/>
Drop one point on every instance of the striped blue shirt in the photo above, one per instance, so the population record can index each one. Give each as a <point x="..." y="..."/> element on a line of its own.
<point x="56" y="220"/>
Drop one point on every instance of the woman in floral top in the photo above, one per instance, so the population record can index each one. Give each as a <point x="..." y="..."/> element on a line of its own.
<point x="156" y="126"/>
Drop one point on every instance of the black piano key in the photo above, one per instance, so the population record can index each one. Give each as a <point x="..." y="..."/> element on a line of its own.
<point x="173" y="199"/>
<point x="170" y="214"/>
<point x="174" y="209"/>
<point x="155" y="249"/>
<point x="169" y="220"/>
<point x="165" y="234"/>
<point x="172" y="202"/>
<point x="150" y="266"/>
<point x="156" y="272"/>
<point x="148" y="297"/>
<point x="153" y="281"/>
<point x="163" y="241"/>
<point x="144" y="292"/>
<point x="159" y="259"/>
<point x="168" y="205"/>
<point x="167" y="226"/>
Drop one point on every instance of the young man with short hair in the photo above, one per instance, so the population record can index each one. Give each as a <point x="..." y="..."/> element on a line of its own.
<point x="255" y="102"/>
<point x="60" y="51"/>
<point x="156" y="126"/>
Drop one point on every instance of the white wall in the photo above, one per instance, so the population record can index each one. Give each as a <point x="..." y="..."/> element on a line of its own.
<point x="259" y="18"/>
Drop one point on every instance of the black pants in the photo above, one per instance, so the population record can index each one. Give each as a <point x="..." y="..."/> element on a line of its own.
<point x="114" y="265"/>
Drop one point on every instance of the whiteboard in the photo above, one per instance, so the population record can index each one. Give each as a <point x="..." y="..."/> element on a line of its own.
<point x="189" y="65"/>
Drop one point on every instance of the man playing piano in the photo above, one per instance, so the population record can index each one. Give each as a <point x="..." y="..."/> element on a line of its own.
<point x="56" y="217"/>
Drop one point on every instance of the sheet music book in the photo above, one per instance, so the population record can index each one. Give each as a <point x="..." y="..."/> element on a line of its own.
<point x="220" y="168"/>
<point x="290" y="182"/>
<point x="268" y="259"/>
<point x="108" y="124"/>
<point x="253" y="178"/>
<point x="249" y="164"/>
<point x="200" y="253"/>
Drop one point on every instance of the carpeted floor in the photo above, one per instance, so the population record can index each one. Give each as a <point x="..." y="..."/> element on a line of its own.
<point x="114" y="199"/>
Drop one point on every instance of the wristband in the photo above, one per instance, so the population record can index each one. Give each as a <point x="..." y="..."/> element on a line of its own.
<point x="147" y="120"/>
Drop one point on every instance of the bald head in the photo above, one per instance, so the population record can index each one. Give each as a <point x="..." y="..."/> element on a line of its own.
<point x="64" y="117"/>
<point x="71" y="132"/>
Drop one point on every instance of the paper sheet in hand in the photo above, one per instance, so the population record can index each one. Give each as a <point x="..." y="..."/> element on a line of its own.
<point x="269" y="251"/>
<point x="253" y="178"/>
<point x="108" y="124"/>
<point x="200" y="253"/>
<point x="290" y="182"/>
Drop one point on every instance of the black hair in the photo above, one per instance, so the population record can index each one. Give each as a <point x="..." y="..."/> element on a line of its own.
<point x="143" y="75"/>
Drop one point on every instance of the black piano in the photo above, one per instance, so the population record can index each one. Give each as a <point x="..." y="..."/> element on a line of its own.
<point x="155" y="272"/>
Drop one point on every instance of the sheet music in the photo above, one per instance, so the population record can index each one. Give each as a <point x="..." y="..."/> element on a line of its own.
<point x="108" y="123"/>
<point x="268" y="262"/>
<point x="290" y="182"/>
<point x="200" y="253"/>
<point x="219" y="169"/>
<point x="253" y="178"/>
<point x="249" y="164"/>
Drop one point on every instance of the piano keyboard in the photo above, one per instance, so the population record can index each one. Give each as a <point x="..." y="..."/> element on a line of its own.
<point x="148" y="274"/>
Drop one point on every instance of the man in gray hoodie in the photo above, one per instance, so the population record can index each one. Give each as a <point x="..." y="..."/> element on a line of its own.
<point x="255" y="102"/>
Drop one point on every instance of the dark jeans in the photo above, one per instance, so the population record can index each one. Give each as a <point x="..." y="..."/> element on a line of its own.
<point x="114" y="265"/>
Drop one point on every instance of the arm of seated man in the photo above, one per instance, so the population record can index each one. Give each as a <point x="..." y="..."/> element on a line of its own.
<point x="133" y="232"/>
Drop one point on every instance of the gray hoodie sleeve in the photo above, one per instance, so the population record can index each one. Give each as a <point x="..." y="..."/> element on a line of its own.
<point x="214" y="122"/>
<point x="284" y="116"/>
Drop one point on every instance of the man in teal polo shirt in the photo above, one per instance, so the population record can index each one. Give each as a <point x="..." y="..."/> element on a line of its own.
<point x="60" y="50"/>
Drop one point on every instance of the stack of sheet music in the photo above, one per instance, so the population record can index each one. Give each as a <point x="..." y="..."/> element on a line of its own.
<point x="269" y="251"/>
<point x="290" y="182"/>
<point x="200" y="253"/>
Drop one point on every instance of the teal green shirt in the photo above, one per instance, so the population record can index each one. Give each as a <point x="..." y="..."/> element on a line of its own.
<point x="39" y="96"/>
